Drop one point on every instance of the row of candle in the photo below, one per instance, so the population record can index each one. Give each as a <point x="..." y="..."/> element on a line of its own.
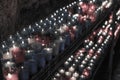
<point x="118" y="15"/>
<point x="33" y="51"/>
<point x="61" y="30"/>
<point x="117" y="22"/>
<point x="71" y="74"/>
<point x="81" y="65"/>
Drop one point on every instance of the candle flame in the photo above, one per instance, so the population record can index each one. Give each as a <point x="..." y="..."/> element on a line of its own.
<point x="8" y="62"/>
<point x="8" y="53"/>
<point x="9" y="75"/>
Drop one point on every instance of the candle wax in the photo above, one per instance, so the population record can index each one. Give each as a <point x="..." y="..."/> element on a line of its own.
<point x="12" y="76"/>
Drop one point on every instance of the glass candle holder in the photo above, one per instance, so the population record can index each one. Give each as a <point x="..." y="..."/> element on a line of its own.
<point x="41" y="60"/>
<point x="7" y="56"/>
<point x="13" y="76"/>
<point x="48" y="53"/>
<point x="62" y="44"/>
<point x="18" y="54"/>
<point x="86" y="73"/>
<point x="68" y="75"/>
<point x="67" y="39"/>
<point x="24" y="72"/>
<point x="92" y="8"/>
<point x="10" y="71"/>
<point x="33" y="66"/>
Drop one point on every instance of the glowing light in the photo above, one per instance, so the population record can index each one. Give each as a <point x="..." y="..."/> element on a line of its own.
<point x="62" y="71"/>
<point x="9" y="75"/>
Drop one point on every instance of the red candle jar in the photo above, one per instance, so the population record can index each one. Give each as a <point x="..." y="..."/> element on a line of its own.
<point x="65" y="28"/>
<point x="94" y="33"/>
<point x="100" y="40"/>
<point x="110" y="33"/>
<point x="91" y="52"/>
<point x="37" y="38"/>
<point x="86" y="73"/>
<point x="84" y="7"/>
<point x="85" y="18"/>
<point x="97" y="53"/>
<point x="18" y="54"/>
<point x="91" y="9"/>
<point x="92" y="17"/>
<point x="13" y="76"/>
<point x="82" y="50"/>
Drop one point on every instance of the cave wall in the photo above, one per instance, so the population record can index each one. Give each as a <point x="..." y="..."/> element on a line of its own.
<point x="8" y="16"/>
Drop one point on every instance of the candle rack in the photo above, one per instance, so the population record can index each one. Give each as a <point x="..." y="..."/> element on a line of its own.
<point x="36" y="40"/>
<point x="97" y="65"/>
<point x="72" y="50"/>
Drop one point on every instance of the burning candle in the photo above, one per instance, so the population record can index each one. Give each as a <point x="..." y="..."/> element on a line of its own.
<point x="68" y="75"/>
<point x="73" y="78"/>
<point x="56" y="46"/>
<point x="81" y="67"/>
<point x="117" y="31"/>
<point x="13" y="76"/>
<point x="62" y="71"/>
<point x="89" y="68"/>
<point x="54" y="78"/>
<point x="66" y="64"/>
<point x="93" y="18"/>
<point x="24" y="73"/>
<point x="37" y="38"/>
<point x="79" y="10"/>
<point x="48" y="53"/>
<point x="62" y="44"/>
<point x="71" y="69"/>
<point x="84" y="62"/>
<point x="75" y="74"/>
<point x="91" y="52"/>
<point x="36" y="46"/>
<point x="18" y="54"/>
<point x="57" y="75"/>
<point x="67" y="39"/>
<point x="76" y="31"/>
<point x="84" y="7"/>
<point x="9" y="64"/>
<point x="91" y="9"/>
<point x="100" y="40"/>
<point x="86" y="73"/>
<point x="82" y="77"/>
<point x="91" y="43"/>
<point x="7" y="55"/>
